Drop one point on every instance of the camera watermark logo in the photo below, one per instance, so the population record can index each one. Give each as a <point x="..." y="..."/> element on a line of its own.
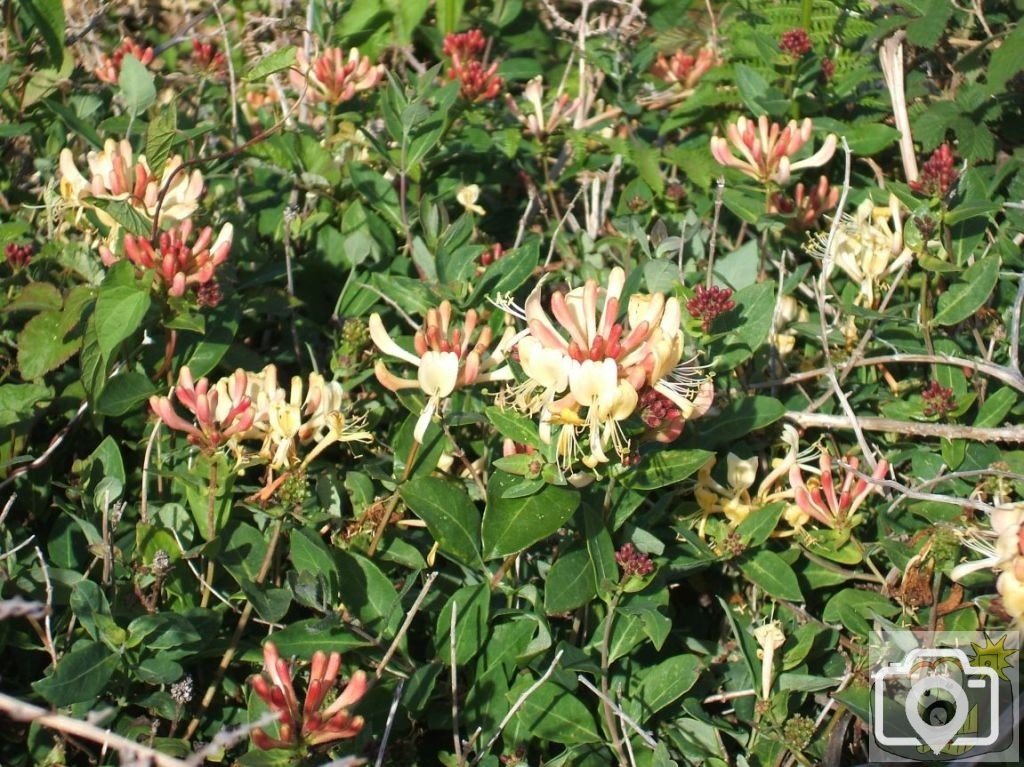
<point x="944" y="696"/>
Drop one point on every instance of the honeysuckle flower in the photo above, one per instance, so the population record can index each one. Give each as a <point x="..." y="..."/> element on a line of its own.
<point x="735" y="498"/>
<point x="334" y="77"/>
<point x="114" y="174"/>
<point x="818" y="498"/>
<point x="1002" y="550"/>
<point x="684" y="69"/>
<point x="770" y="638"/>
<point x="766" y="149"/>
<point x="109" y="68"/>
<point x="807" y="205"/>
<point x="221" y="413"/>
<point x="867" y="246"/>
<point x="477" y="81"/>
<point x="306" y="413"/>
<point x="444" y="359"/>
<point x="537" y="122"/>
<point x="585" y="369"/>
<point x="309" y="724"/>
<point x="468" y="196"/>
<point x="178" y="263"/>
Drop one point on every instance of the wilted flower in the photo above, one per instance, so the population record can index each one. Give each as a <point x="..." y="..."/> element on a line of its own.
<point x="805" y="207"/>
<point x="683" y="69"/>
<point x="221" y="413"/>
<point x="867" y="246"/>
<point x="766" y="150"/>
<point x="308" y="725"/>
<point x="444" y="359"/>
<point x="537" y="122"/>
<point x="178" y="264"/>
<point x="818" y="498"/>
<point x="938" y="175"/>
<point x="334" y="78"/>
<point x="109" y="68"/>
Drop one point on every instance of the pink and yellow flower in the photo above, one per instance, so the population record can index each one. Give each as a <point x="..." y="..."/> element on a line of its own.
<point x="221" y="413"/>
<point x="334" y="77"/>
<point x="766" y="149"/>
<point x="818" y="497"/>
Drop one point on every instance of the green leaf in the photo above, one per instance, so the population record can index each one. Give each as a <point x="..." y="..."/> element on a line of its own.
<point x="119" y="313"/>
<point x="514" y="426"/>
<point x="449" y="15"/>
<point x="968" y="295"/>
<point x="160" y="137"/>
<point x="555" y="713"/>
<point x="996" y="406"/>
<point x="451" y="517"/>
<point x="854" y="607"/>
<point x="737" y="419"/>
<point x="570" y="582"/>
<point x="770" y="571"/>
<point x="745" y="206"/>
<point x="870" y="138"/>
<point x="512" y="524"/>
<point x="667" y="681"/>
<point x="303" y="638"/>
<point x="368" y="593"/>
<point x="760" y="524"/>
<point x="271" y="64"/>
<point x="36" y="297"/>
<point x="755" y="305"/>
<point x="127" y="215"/>
<point x="81" y="675"/>
<point x="48" y="20"/>
<point x="137" y="85"/>
<point x="18" y="402"/>
<point x="666" y="467"/>
<point x="600" y="549"/>
<point x="42" y="346"/>
<point x="124" y="392"/>
<point x="472" y="605"/>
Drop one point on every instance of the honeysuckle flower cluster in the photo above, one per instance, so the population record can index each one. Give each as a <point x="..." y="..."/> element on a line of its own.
<point x="795" y="42"/>
<point x="478" y="81"/>
<point x="806" y="206"/>
<point x="537" y="121"/>
<point x="939" y="400"/>
<point x="253" y="407"/>
<point x="817" y="497"/>
<point x="334" y="77"/>
<point x="708" y="302"/>
<point x="178" y="263"/>
<point x="109" y="68"/>
<point x="1002" y="550"/>
<point x="684" y="69"/>
<point x="115" y="174"/>
<point x="766" y="149"/>
<point x="445" y="358"/>
<point x="585" y="371"/>
<point x="311" y="724"/>
<point x="207" y="57"/>
<point x="867" y="246"/>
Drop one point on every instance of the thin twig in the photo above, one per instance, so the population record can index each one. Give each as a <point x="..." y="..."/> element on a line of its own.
<point x="47" y="625"/>
<point x="144" y="499"/>
<point x="391" y="720"/>
<point x="58" y="438"/>
<point x="515" y="708"/>
<point x="872" y="423"/>
<point x="26" y="712"/>
<point x="1015" y="326"/>
<point x="457" y="739"/>
<point x="713" y="241"/>
<point x="382" y="666"/>
<point x="644" y="734"/>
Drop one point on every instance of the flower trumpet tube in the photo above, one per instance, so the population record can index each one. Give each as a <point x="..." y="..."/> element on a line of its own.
<point x="309" y="724"/>
<point x="819" y="499"/>
<point x="765" y="150"/>
<point x="334" y="77"/>
<point x="445" y="358"/>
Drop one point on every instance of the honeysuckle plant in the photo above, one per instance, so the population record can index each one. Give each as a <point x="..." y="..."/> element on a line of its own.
<point x="548" y="362"/>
